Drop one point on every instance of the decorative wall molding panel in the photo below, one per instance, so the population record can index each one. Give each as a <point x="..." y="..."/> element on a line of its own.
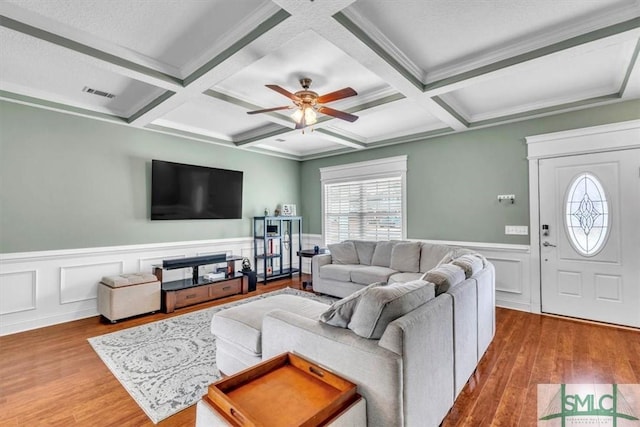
<point x="74" y="280"/>
<point x="39" y="289"/>
<point x="18" y="291"/>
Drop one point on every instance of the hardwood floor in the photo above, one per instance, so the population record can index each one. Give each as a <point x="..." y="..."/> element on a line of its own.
<point x="52" y="376"/>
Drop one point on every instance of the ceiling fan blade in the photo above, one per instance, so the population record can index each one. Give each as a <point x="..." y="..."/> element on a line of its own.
<point x="339" y="94"/>
<point x="266" y="110"/>
<point x="283" y="92"/>
<point x="338" y="114"/>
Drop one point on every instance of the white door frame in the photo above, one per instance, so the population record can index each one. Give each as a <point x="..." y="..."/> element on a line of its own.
<point x="596" y="139"/>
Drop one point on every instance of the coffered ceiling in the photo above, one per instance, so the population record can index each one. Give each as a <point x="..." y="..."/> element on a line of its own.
<point x="421" y="68"/>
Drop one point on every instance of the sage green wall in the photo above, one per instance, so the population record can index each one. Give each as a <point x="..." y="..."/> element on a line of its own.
<point x="71" y="182"/>
<point x="453" y="180"/>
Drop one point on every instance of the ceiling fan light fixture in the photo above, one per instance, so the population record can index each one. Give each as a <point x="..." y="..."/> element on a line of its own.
<point x="310" y="117"/>
<point x="308" y="102"/>
<point x="297" y="115"/>
<point x="305" y="115"/>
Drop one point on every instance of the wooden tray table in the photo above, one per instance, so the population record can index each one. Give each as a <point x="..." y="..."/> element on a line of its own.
<point x="286" y="390"/>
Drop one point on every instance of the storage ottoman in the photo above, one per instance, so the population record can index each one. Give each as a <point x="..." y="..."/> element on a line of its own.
<point x="238" y="330"/>
<point x="128" y="295"/>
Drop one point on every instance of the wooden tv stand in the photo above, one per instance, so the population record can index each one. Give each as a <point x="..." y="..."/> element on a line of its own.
<point x="186" y="292"/>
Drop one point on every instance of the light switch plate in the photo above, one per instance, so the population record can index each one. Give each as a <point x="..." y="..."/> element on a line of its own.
<point x="521" y="230"/>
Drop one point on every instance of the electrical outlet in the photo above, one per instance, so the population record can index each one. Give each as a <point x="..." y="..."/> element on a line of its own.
<point x="521" y="230"/>
<point x="506" y="198"/>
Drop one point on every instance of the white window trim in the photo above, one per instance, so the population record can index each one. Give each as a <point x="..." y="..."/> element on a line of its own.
<point x="359" y="171"/>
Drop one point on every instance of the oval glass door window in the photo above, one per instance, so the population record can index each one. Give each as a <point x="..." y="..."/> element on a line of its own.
<point x="587" y="214"/>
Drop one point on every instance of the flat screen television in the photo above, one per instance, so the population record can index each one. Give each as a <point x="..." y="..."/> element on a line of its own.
<point x="180" y="191"/>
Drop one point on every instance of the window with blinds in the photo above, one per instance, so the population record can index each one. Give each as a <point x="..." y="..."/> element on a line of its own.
<point x="364" y="210"/>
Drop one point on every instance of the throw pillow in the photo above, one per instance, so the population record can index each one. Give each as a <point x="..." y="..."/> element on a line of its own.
<point x="471" y="264"/>
<point x="457" y="253"/>
<point x="381" y="305"/>
<point x="382" y="254"/>
<point x="444" y="277"/>
<point x="365" y="249"/>
<point x="405" y="257"/>
<point x="340" y="312"/>
<point x="343" y="253"/>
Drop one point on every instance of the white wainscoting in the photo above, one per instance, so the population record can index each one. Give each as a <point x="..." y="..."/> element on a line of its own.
<point x="512" y="263"/>
<point x="40" y="289"/>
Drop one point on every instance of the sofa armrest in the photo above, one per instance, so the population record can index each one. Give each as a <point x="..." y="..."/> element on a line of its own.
<point x="319" y="261"/>
<point x="425" y="339"/>
<point x="376" y="370"/>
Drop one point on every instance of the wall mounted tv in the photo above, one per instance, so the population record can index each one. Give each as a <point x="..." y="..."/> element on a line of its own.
<point x="181" y="191"/>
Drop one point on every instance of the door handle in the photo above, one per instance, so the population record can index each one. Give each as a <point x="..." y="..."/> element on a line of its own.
<point x="548" y="244"/>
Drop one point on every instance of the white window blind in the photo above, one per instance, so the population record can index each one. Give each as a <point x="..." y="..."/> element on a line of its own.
<point x="365" y="210"/>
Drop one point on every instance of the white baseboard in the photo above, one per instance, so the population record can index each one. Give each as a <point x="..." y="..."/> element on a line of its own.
<point x="514" y="305"/>
<point x="30" y="324"/>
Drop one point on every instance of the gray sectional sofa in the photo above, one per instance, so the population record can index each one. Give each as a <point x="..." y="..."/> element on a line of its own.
<point x="353" y="264"/>
<point x="409" y="342"/>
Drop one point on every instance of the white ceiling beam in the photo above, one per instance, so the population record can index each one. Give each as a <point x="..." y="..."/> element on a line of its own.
<point x="359" y="46"/>
<point x="631" y="84"/>
<point x="122" y="62"/>
<point x="520" y="63"/>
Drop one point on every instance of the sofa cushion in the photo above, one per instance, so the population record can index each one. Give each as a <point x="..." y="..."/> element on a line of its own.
<point x="444" y="277"/>
<point x="382" y="254"/>
<point x="341" y="311"/>
<point x="343" y="253"/>
<point x="381" y="305"/>
<point x="338" y="272"/>
<point x="128" y="279"/>
<point x="470" y="263"/>
<point x="370" y="273"/>
<point x="403" y="277"/>
<point x="431" y="254"/>
<point x="365" y="249"/>
<point x="405" y="257"/>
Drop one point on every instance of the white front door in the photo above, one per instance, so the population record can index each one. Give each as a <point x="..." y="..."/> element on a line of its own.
<point x="590" y="236"/>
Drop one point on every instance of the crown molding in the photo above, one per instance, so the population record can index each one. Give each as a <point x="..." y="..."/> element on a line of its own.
<point x="383" y="41"/>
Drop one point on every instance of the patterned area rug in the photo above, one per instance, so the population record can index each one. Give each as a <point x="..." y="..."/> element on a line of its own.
<point x="166" y="366"/>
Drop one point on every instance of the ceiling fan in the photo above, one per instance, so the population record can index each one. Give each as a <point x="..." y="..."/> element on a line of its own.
<point x="307" y="102"/>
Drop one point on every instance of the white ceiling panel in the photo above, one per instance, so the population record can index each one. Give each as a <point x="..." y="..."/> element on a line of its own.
<point x="300" y="144"/>
<point x="35" y="68"/>
<point x="403" y="117"/>
<point x="211" y="117"/>
<point x="443" y="34"/>
<point x="180" y="34"/>
<point x="554" y="80"/>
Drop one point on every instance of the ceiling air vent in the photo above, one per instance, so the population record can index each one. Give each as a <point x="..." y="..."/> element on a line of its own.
<point x="98" y="92"/>
<point x="279" y="140"/>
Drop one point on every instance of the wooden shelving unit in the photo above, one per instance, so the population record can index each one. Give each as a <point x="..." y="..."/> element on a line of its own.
<point x="197" y="289"/>
<point x="273" y="245"/>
